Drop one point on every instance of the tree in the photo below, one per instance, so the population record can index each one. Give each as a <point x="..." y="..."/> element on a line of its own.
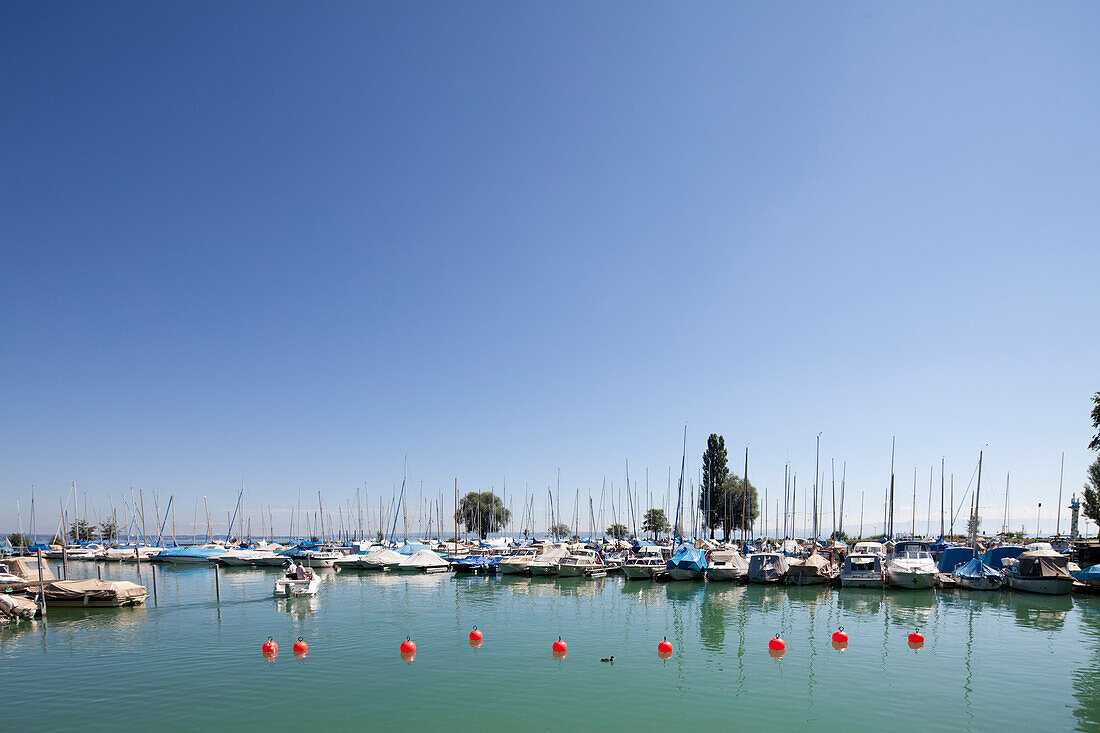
<point x="482" y="513"/>
<point x="618" y="531"/>
<point x="1094" y="444"/>
<point x="81" y="531"/>
<point x="18" y="539"/>
<point x="1091" y="507"/>
<point x="108" y="529"/>
<point x="973" y="524"/>
<point x="56" y="540"/>
<point x="561" y="529"/>
<point x="655" y="522"/>
<point x="712" y="498"/>
<point x="742" y="504"/>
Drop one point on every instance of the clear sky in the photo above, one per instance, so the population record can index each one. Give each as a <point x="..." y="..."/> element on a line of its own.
<point x="298" y="242"/>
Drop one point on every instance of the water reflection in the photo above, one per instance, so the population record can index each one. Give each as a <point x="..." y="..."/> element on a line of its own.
<point x="1086" y="678"/>
<point x="1047" y="613"/>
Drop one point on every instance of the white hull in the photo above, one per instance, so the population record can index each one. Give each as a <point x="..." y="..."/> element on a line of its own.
<point x="292" y="587"/>
<point x="513" y="568"/>
<point x="1046" y="586"/>
<point x="573" y="571"/>
<point x="808" y="579"/>
<point x="543" y="569"/>
<point x="184" y="560"/>
<point x="912" y="579"/>
<point x="639" y="572"/>
<point x="726" y="574"/>
<point x="978" y="583"/>
<point x="861" y="581"/>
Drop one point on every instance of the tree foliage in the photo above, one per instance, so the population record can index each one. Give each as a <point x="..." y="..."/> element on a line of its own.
<point x="618" y="531"/>
<point x="1094" y="444"/>
<point x="1090" y="507"/>
<point x="712" y="498"/>
<point x="973" y="524"/>
<point x="655" y="522"/>
<point x="81" y="531"/>
<point x="561" y="529"/>
<point x="483" y="513"/>
<point x="108" y="529"/>
<point x="18" y="539"/>
<point x="742" y="504"/>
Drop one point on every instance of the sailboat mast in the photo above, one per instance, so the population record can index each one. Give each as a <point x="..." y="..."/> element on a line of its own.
<point x="1058" y="522"/>
<point x="942" y="459"/>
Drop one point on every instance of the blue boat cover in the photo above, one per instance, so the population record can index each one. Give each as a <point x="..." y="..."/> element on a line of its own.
<point x="689" y="558"/>
<point x="206" y="552"/>
<point x="994" y="557"/>
<point x="940" y="545"/>
<point x="975" y="570"/>
<point x="39" y="546"/>
<point x="1089" y="574"/>
<point x="410" y="547"/>
<point x="953" y="557"/>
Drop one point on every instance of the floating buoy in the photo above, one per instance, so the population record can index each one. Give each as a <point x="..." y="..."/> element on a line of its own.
<point x="916" y="640"/>
<point x="664" y="647"/>
<point x="475" y="635"/>
<point x="269" y="647"/>
<point x="408" y="656"/>
<point x="300" y="646"/>
<point x="407" y="646"/>
<point x="560" y="646"/>
<point x="777" y="644"/>
<point x="839" y="637"/>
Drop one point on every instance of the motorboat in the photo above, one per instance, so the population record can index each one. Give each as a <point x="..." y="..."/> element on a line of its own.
<point x="94" y="593"/>
<point x="976" y="575"/>
<point x="7" y="577"/>
<point x="249" y="556"/>
<point x="1039" y="571"/>
<point x="189" y="555"/>
<point x="1088" y="580"/>
<point x="516" y="562"/>
<point x="767" y="567"/>
<point x="644" y="563"/>
<point x="727" y="565"/>
<point x="318" y="558"/>
<point x="911" y="566"/>
<point x="476" y="564"/>
<point x="293" y="583"/>
<point x="954" y="557"/>
<point x="425" y="561"/>
<point x="687" y="563"/>
<point x="817" y="569"/>
<point x="580" y="562"/>
<point x="870" y="548"/>
<point x="862" y="570"/>
<point x="128" y="553"/>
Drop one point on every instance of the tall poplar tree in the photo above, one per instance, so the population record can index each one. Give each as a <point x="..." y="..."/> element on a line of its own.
<point x="712" y="499"/>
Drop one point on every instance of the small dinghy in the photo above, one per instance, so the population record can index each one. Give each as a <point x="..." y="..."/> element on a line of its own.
<point x="292" y="585"/>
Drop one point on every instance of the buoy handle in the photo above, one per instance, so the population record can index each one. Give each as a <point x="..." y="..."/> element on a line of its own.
<point x="842" y="628"/>
<point x="408" y="638"/>
<point x="271" y="638"/>
<point x="300" y="639"/>
<point x="475" y="628"/>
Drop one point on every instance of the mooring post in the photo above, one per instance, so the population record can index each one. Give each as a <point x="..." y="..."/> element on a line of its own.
<point x="217" y="588"/>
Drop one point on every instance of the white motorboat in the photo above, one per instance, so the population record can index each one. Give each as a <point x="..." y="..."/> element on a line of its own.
<point x="870" y="548"/>
<point x="318" y="558"/>
<point x="862" y="570"/>
<point x="727" y="565"/>
<point x="292" y="585"/>
<point x="1039" y="571"/>
<point x="644" y="564"/>
<point x="578" y="563"/>
<point x="516" y="562"/>
<point x="911" y="566"/>
<point x="425" y="561"/>
<point x="7" y="577"/>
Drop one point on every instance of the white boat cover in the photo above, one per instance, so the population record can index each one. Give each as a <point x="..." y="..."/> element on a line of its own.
<point x="385" y="557"/>
<point x="27" y="568"/>
<point x="424" y="559"/>
<point x="768" y="567"/>
<point x="17" y="606"/>
<point x="729" y="559"/>
<point x="814" y="565"/>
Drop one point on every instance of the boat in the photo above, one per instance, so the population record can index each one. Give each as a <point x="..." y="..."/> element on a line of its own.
<point x="1039" y="571"/>
<point x="516" y="562"/>
<point x="862" y="570"/>
<point x="687" y="563"/>
<point x="383" y="559"/>
<point x="995" y="557"/>
<point x="911" y="566"/>
<point x="954" y="557"/>
<point x="576" y="563"/>
<point x="816" y="569"/>
<point x="870" y="548"/>
<point x="189" y="555"/>
<point x="727" y="565"/>
<point x="94" y="593"/>
<point x="425" y="561"/>
<point x="249" y="556"/>
<point x="1088" y="580"/>
<point x="289" y="584"/>
<point x="644" y="563"/>
<point x="475" y="564"/>
<point x="767" y="567"/>
<point x="9" y="578"/>
<point x="127" y="553"/>
<point x="976" y="575"/>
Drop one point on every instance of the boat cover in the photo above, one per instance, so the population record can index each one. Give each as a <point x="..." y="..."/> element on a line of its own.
<point x="689" y="558"/>
<point x="731" y="558"/>
<point x="1090" y="575"/>
<point x="954" y="557"/>
<point x="27" y="568"/>
<point x="95" y="590"/>
<point x="767" y="566"/>
<point x="995" y="556"/>
<point x="975" y="570"/>
<point x="940" y="545"/>
<point x="424" y="559"/>
<point x="17" y="606"/>
<point x="410" y="548"/>
<point x="1043" y="564"/>
<point x="384" y="557"/>
<point x="205" y="553"/>
<point x="814" y="565"/>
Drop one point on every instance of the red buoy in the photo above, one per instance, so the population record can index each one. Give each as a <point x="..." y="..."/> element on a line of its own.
<point x="916" y="638"/>
<point x="664" y="647"/>
<point x="560" y="646"/>
<point x="839" y="637"/>
<point x="777" y="644"/>
<point x="407" y="646"/>
<point x="300" y="646"/>
<point x="269" y="647"/>
<point x="475" y="635"/>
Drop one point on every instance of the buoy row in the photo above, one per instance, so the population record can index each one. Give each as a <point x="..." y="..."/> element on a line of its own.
<point x="270" y="648"/>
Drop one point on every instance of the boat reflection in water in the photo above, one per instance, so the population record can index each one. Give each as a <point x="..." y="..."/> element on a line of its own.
<point x="1045" y="613"/>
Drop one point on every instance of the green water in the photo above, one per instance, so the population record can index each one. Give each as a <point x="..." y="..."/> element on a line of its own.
<point x="992" y="661"/>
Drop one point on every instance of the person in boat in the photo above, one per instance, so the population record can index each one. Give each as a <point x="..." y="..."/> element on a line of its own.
<point x="291" y="571"/>
<point x="300" y="571"/>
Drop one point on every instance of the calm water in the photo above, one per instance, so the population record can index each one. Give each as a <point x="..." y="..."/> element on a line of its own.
<point x="991" y="661"/>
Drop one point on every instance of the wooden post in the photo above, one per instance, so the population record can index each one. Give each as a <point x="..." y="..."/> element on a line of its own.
<point x="98" y="571"/>
<point x="41" y="587"/>
<point x="217" y="588"/>
<point x="154" y="568"/>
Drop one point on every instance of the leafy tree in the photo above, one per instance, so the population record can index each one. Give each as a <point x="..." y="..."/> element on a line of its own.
<point x="655" y="522"/>
<point x="1094" y="444"/>
<point x="18" y="539"/>
<point x="483" y="513"/>
<point x="712" y="498"/>
<point x="56" y="540"/>
<point x="618" y="531"/>
<point x="561" y="529"/>
<point x="81" y="531"/>
<point x="973" y="524"/>
<point x="742" y="503"/>
<point x="108" y="529"/>
<point x="1091" y="505"/>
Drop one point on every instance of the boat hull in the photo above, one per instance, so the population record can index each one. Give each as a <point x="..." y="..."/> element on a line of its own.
<point x="685" y="574"/>
<point x="1044" y="586"/>
<point x="638" y="572"/>
<point x="910" y="579"/>
<point x="512" y="568"/>
<point x="541" y="569"/>
<point x="572" y="571"/>
<point x="808" y="579"/>
<point x="978" y="583"/>
<point x="292" y="587"/>
<point x="861" y="581"/>
<point x="726" y="574"/>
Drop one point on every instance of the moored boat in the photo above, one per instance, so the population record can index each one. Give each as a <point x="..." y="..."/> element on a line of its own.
<point x="911" y="566"/>
<point x="297" y="584"/>
<point x="767" y="567"/>
<point x="862" y="570"/>
<point x="727" y="565"/>
<point x="976" y="575"/>
<point x="1039" y="571"/>
<point x="817" y="569"/>
<point x="687" y="563"/>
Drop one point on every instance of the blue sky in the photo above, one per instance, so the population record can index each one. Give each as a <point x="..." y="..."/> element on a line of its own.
<point x="297" y="243"/>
